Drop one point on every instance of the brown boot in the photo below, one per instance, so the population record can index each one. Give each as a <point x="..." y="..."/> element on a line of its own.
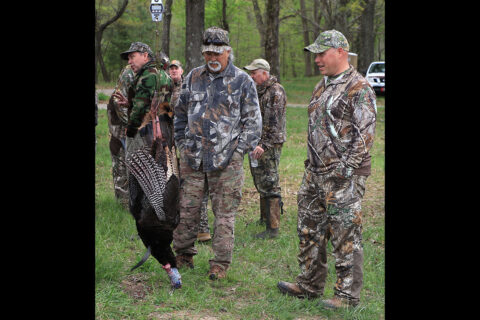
<point x="203" y="236"/>
<point x="272" y="211"/>
<point x="184" y="260"/>
<point x="216" y="272"/>
<point x="337" y="302"/>
<point x="292" y="289"/>
<point x="263" y="214"/>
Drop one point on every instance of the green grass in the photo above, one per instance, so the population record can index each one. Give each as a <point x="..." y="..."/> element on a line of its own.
<point x="249" y="291"/>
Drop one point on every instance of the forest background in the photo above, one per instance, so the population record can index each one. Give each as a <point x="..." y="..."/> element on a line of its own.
<point x="276" y="30"/>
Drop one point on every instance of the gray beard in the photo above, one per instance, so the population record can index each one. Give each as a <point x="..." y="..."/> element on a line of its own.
<point x="211" y="64"/>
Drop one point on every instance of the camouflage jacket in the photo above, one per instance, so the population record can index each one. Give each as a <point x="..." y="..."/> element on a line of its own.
<point x="341" y="124"/>
<point x="117" y="115"/>
<point x="146" y="81"/>
<point x="216" y="116"/>
<point x="176" y="92"/>
<point x="273" y="101"/>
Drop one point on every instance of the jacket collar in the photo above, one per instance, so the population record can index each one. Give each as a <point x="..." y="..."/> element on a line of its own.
<point x="341" y="78"/>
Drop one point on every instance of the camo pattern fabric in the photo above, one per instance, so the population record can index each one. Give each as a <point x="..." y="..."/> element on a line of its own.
<point x="273" y="102"/>
<point x="176" y="92"/>
<point x="265" y="175"/>
<point x="117" y="120"/>
<point x="225" y="188"/>
<point x="341" y="124"/>
<point x="329" y="208"/>
<point x="203" y="226"/>
<point x="145" y="85"/>
<point x="216" y="115"/>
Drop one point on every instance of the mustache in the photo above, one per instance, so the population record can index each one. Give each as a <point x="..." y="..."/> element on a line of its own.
<point x="214" y="65"/>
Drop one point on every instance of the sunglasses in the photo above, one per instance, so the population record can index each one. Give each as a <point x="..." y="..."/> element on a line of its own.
<point x="216" y="42"/>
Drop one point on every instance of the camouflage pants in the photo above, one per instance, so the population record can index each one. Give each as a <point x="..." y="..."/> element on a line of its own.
<point x="204" y="227"/>
<point x="265" y="175"/>
<point x="329" y="208"/>
<point x="119" y="170"/>
<point x="225" y="189"/>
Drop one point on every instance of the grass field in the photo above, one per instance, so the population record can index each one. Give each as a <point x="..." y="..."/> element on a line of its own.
<point x="249" y="291"/>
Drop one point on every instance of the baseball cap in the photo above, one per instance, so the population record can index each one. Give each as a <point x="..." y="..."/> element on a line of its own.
<point x="258" y="64"/>
<point x="215" y="39"/>
<point x="328" y="39"/>
<point x="175" y="63"/>
<point x="137" y="47"/>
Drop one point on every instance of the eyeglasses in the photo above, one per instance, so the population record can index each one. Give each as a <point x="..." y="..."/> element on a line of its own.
<point x="216" y="42"/>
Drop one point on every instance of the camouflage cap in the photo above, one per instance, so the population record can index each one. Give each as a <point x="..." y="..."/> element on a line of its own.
<point x="258" y="64"/>
<point x="328" y="39"/>
<point x="215" y="39"/>
<point x="137" y="47"/>
<point x="175" y="63"/>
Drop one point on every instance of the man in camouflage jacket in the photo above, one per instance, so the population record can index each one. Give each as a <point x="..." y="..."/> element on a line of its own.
<point x="341" y="129"/>
<point x="273" y="100"/>
<point x="217" y="120"/>
<point x="155" y="233"/>
<point x="175" y="70"/>
<point x="117" y="121"/>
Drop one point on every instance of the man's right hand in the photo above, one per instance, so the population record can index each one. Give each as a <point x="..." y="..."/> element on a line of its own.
<point x="121" y="100"/>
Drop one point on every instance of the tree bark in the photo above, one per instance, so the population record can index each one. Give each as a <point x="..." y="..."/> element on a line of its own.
<point x="195" y="17"/>
<point x="271" y="37"/>
<point x="260" y="25"/>
<point x="167" y="18"/>
<point x="306" y="40"/>
<point x="99" y="29"/>
<point x="366" y="36"/>
<point x="224" y="16"/>
<point x="316" y="31"/>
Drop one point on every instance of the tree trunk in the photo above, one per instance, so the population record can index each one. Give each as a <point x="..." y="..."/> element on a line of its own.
<point x="260" y="25"/>
<point x="195" y="16"/>
<point x="99" y="28"/>
<point x="316" y="31"/>
<point x="367" y="36"/>
<point x="167" y="18"/>
<point x="99" y="57"/>
<point x="224" y="16"/>
<point x="306" y="40"/>
<point x="271" y="33"/>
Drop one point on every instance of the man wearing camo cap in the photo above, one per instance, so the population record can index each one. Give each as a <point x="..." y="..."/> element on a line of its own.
<point x="341" y="129"/>
<point x="176" y="73"/>
<point x="217" y="120"/>
<point x="273" y="101"/>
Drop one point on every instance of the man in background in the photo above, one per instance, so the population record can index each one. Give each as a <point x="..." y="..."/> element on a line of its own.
<point x="273" y="101"/>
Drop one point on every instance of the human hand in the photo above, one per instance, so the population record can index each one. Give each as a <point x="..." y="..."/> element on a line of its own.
<point x="121" y="100"/>
<point x="257" y="152"/>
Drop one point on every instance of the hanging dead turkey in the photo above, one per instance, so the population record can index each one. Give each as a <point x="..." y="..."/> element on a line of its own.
<point x="154" y="189"/>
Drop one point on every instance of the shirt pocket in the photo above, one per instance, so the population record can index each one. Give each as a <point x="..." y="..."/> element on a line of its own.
<point x="195" y="101"/>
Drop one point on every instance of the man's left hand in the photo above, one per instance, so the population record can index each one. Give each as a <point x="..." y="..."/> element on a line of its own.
<point x="257" y="153"/>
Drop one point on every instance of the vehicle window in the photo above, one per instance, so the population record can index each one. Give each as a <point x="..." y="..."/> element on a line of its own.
<point x="379" y="67"/>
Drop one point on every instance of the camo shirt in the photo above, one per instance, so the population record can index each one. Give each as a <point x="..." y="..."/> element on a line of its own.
<point x="118" y="115"/>
<point x="145" y="84"/>
<point x="273" y="101"/>
<point x="216" y="114"/>
<point x="341" y="124"/>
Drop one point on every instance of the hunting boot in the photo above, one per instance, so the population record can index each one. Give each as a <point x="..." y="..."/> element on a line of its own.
<point x="272" y="211"/>
<point x="263" y="214"/>
<point x="291" y="289"/>
<point x="337" y="302"/>
<point x="216" y="272"/>
<point x="203" y="236"/>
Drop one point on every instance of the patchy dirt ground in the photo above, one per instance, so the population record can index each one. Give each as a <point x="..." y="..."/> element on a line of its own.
<point x="135" y="286"/>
